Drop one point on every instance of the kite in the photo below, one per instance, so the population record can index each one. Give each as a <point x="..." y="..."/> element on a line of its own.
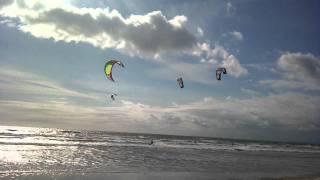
<point x="109" y="66"/>
<point x="113" y="96"/>
<point x="180" y="82"/>
<point x="219" y="71"/>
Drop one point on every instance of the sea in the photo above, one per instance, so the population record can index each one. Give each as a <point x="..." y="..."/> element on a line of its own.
<point x="50" y="153"/>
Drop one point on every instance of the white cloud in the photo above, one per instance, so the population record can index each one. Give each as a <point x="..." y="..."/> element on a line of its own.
<point x="230" y="8"/>
<point x="8" y="22"/>
<point x="200" y="32"/>
<point x="233" y="66"/>
<point x="236" y="35"/>
<point x="149" y="35"/>
<point x="233" y="36"/>
<point x="298" y="71"/>
<point x="218" y="55"/>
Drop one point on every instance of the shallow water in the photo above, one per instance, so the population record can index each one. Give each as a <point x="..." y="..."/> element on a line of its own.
<point x="55" y="153"/>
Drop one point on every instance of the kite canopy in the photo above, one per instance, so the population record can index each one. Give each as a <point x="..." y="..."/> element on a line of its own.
<point x="180" y="82"/>
<point x="109" y="66"/>
<point x="219" y="71"/>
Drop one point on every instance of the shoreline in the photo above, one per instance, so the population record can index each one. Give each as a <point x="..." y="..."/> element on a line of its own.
<point x="120" y="175"/>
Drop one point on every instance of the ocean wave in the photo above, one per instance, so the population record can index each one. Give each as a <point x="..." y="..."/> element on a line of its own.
<point x="57" y="137"/>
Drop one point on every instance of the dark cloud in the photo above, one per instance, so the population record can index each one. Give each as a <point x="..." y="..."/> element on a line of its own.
<point x="298" y="71"/>
<point x="148" y="34"/>
<point x="298" y="66"/>
<point x="5" y="3"/>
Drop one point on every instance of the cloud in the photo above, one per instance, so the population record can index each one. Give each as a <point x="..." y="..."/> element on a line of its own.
<point x="236" y="35"/>
<point x="8" y="22"/>
<point x="289" y="84"/>
<point x="125" y="116"/>
<point x="233" y="37"/>
<point x="298" y="71"/>
<point x="199" y="32"/>
<point x="218" y="55"/>
<point x="4" y="3"/>
<point x="17" y="82"/>
<point x="190" y="72"/>
<point x="148" y="35"/>
<point x="285" y="112"/>
<point x="298" y="66"/>
<point x="230" y="8"/>
<point x="250" y="92"/>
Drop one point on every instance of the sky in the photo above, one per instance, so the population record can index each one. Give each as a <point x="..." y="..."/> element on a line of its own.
<point x="52" y="57"/>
